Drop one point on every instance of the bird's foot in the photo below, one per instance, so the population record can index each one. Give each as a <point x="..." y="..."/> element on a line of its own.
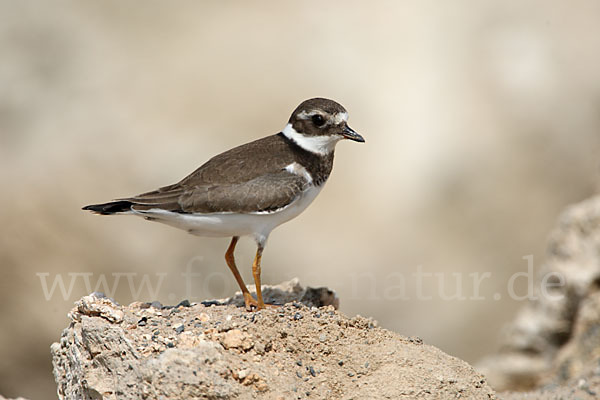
<point x="253" y="305"/>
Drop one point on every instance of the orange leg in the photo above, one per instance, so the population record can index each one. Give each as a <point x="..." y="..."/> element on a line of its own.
<point x="230" y="259"/>
<point x="256" y="275"/>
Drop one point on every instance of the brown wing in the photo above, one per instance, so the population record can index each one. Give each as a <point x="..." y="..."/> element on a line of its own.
<point x="243" y="163"/>
<point x="248" y="178"/>
<point x="264" y="193"/>
<point x="230" y="181"/>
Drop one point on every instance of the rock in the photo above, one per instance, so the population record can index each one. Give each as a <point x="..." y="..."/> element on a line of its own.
<point x="583" y="348"/>
<point x="289" y="292"/>
<point x="156" y="304"/>
<point x="236" y="339"/>
<point x="307" y="348"/>
<point x="553" y="342"/>
<point x="96" y="304"/>
<point x="242" y="374"/>
<point x="249" y="355"/>
<point x="179" y="328"/>
<point x="203" y="317"/>
<point x="183" y="303"/>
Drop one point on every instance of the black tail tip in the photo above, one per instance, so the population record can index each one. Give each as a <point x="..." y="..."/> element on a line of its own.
<point x="96" y="209"/>
<point x="109" y="208"/>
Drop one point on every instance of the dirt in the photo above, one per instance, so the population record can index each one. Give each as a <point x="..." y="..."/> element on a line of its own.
<point x="294" y="351"/>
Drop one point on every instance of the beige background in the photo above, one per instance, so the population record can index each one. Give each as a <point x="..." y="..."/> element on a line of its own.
<point x="482" y="122"/>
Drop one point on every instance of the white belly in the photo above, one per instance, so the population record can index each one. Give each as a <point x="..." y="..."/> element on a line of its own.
<point x="258" y="225"/>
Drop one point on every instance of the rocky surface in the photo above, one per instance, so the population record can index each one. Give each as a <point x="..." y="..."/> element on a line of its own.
<point x="554" y="342"/>
<point x="307" y="349"/>
<point x="217" y="350"/>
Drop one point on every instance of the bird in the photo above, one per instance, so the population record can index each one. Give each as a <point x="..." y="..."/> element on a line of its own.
<point x="251" y="189"/>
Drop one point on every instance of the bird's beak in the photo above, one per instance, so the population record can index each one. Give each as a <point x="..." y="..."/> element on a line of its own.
<point x="349" y="133"/>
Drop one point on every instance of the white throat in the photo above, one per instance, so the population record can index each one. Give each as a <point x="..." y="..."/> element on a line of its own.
<point x="321" y="145"/>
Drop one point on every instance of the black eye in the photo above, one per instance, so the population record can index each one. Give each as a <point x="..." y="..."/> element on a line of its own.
<point x="318" y="120"/>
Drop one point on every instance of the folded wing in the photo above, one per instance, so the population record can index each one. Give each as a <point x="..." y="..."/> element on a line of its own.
<point x="265" y="193"/>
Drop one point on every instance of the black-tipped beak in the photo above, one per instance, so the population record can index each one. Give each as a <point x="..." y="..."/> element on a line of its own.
<point x="349" y="133"/>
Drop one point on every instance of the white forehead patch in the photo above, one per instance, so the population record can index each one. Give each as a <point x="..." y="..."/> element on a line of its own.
<point x="321" y="145"/>
<point x="340" y="117"/>
<point x="308" y="114"/>
<point x="337" y="118"/>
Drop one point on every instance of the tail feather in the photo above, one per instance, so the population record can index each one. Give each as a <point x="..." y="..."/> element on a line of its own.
<point x="109" y="208"/>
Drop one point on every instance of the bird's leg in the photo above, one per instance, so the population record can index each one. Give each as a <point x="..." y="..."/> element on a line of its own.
<point x="256" y="275"/>
<point x="230" y="259"/>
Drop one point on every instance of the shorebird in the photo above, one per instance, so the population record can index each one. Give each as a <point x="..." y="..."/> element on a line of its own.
<point x="250" y="189"/>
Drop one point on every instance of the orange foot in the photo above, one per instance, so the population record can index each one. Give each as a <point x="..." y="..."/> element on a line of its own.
<point x="253" y="305"/>
<point x="250" y="302"/>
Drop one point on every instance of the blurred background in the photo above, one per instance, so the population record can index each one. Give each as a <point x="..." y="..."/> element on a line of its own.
<point x="482" y="122"/>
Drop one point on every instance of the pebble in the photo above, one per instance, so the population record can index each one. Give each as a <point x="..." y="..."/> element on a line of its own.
<point x="415" y="339"/>
<point x="184" y="303"/>
<point x="299" y="374"/>
<point x="211" y="303"/>
<point x="350" y="374"/>
<point x="312" y="371"/>
<point x="179" y="328"/>
<point x="261" y="386"/>
<point x="243" y="373"/>
<point x="582" y="384"/>
<point x="203" y="317"/>
<point x="235" y="338"/>
<point x="156" y="304"/>
<point x="340" y="363"/>
<point x="260" y="348"/>
<point x="143" y="321"/>
<point x="322" y="337"/>
<point x="139" y="304"/>
<point x="297" y="316"/>
<point x="299" y="363"/>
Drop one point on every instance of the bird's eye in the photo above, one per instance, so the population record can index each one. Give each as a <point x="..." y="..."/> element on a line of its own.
<point x="318" y="120"/>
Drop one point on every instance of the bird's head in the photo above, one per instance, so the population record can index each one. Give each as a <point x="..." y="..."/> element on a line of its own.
<point x="318" y="124"/>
